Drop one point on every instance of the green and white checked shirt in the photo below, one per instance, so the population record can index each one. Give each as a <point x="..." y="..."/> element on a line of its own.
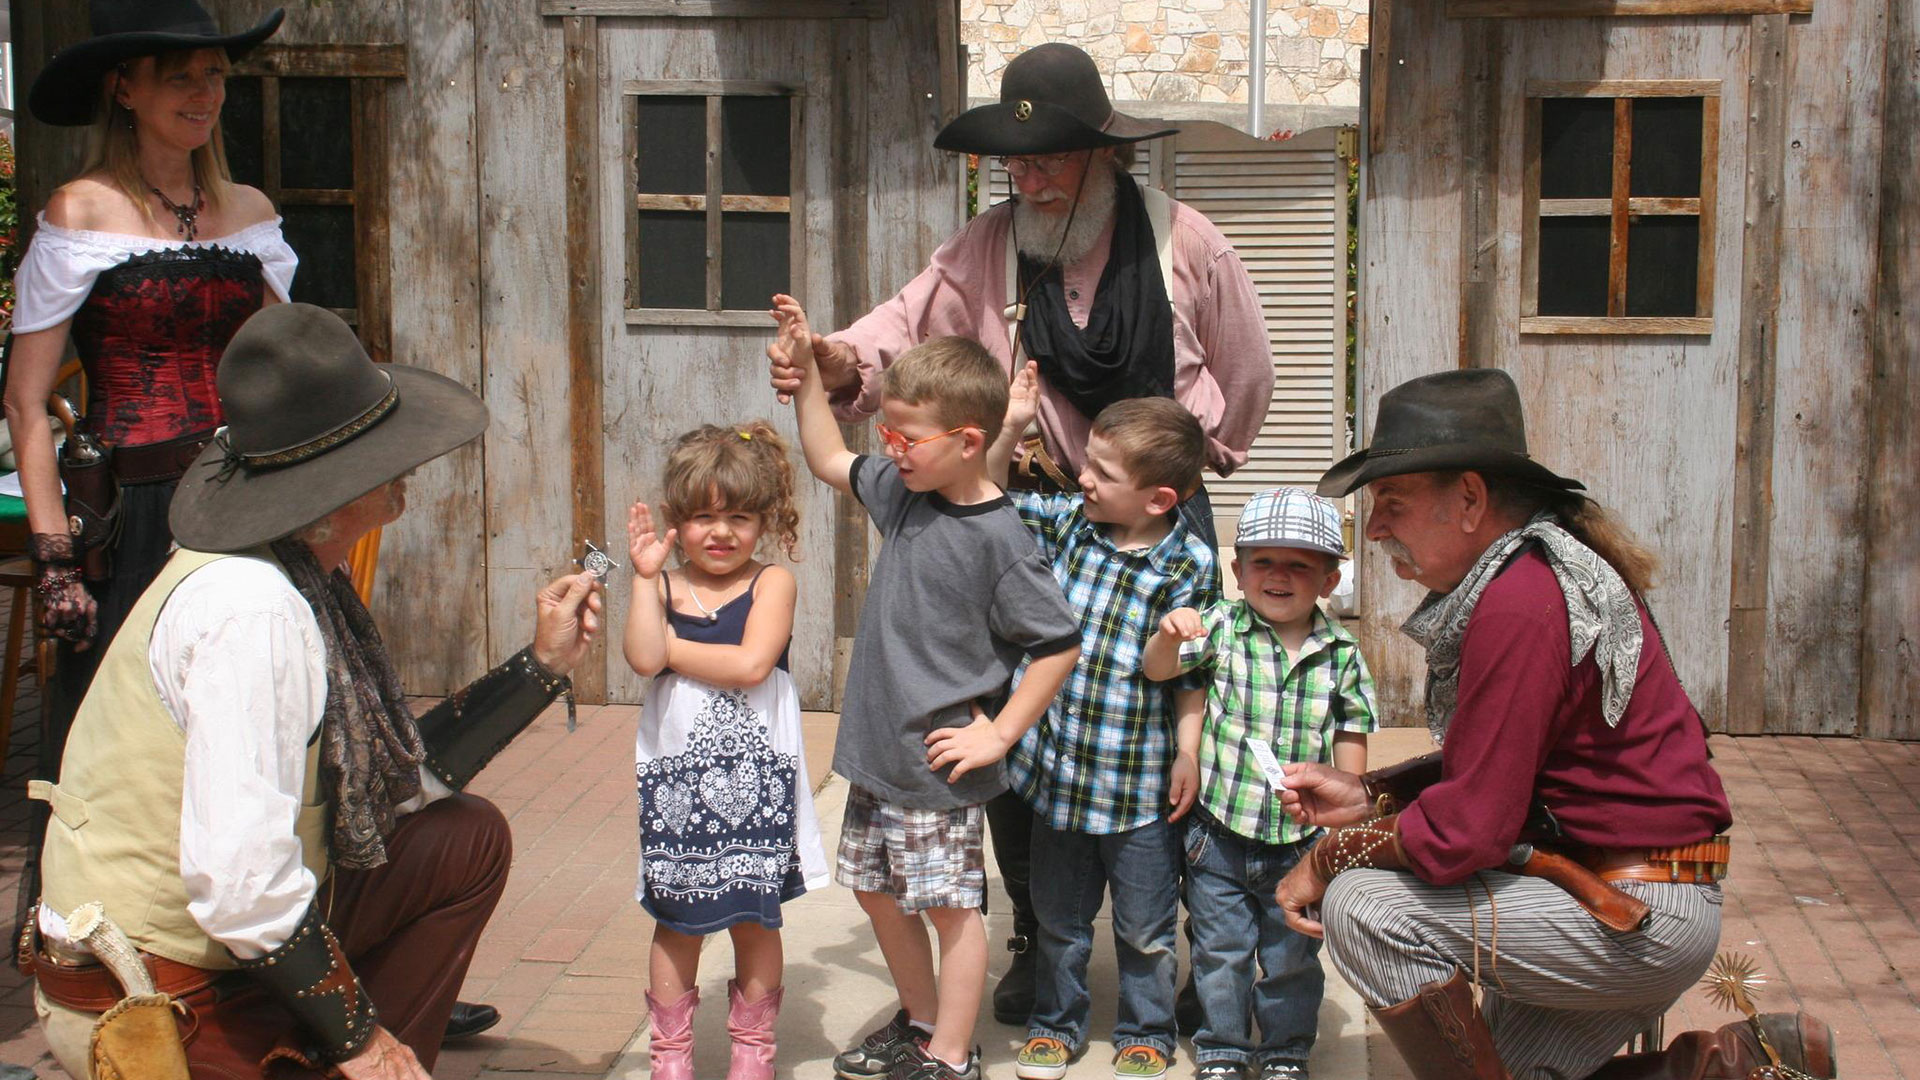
<point x="1256" y="693"/>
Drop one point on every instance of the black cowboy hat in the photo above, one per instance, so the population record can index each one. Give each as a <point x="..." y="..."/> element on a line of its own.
<point x="312" y="424"/>
<point x="1453" y="420"/>
<point x="1051" y="100"/>
<point x="68" y="88"/>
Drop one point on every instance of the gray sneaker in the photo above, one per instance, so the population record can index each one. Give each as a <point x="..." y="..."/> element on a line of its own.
<point x="914" y="1063"/>
<point x="875" y="1055"/>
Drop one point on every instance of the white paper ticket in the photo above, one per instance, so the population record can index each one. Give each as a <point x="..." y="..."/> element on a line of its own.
<point x="1269" y="765"/>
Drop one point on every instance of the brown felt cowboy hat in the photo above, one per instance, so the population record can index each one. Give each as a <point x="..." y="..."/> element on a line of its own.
<point x="1437" y="423"/>
<point x="68" y="88"/>
<point x="1051" y="100"/>
<point x="312" y="425"/>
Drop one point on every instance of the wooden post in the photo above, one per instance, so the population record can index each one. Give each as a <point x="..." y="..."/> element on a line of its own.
<point x="852" y="297"/>
<point x="1753" y="413"/>
<point x="584" y="316"/>
<point x="1485" y="46"/>
<point x="1890" y="596"/>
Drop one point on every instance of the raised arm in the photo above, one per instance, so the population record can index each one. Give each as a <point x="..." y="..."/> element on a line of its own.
<point x="1023" y="401"/>
<point x="647" y="637"/>
<point x="828" y="458"/>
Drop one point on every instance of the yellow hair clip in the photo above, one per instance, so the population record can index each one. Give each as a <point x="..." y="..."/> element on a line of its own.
<point x="747" y="435"/>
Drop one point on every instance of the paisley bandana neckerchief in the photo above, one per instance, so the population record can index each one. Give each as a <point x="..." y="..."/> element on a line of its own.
<point x="1601" y="617"/>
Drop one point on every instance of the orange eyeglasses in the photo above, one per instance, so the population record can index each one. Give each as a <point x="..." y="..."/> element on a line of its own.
<point x="900" y="444"/>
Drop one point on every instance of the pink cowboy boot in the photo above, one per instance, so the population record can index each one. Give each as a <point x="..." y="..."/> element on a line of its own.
<point x="750" y="1023"/>
<point x="671" y="1050"/>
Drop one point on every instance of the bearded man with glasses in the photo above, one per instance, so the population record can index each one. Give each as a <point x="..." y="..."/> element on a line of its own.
<point x="1115" y="290"/>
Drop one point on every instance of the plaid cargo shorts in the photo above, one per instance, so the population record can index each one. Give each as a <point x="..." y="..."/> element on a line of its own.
<point x="921" y="858"/>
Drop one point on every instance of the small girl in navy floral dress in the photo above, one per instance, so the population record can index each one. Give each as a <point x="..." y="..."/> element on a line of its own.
<point x="727" y="828"/>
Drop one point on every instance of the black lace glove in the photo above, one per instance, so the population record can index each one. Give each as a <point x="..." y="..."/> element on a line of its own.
<point x="67" y="609"/>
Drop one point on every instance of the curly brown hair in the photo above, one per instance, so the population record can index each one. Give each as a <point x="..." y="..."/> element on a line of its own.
<point x="736" y="467"/>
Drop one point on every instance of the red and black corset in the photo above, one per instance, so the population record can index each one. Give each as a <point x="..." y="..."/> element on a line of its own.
<point x="150" y="336"/>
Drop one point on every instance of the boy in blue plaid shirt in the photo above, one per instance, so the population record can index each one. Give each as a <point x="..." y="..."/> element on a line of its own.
<point x="1287" y="683"/>
<point x="1099" y="768"/>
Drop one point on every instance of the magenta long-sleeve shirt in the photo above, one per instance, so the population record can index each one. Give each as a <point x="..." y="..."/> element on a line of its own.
<point x="1528" y="726"/>
<point x="1222" y="366"/>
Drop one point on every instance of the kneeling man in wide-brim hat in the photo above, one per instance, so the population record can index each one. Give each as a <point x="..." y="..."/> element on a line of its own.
<point x="1564" y="849"/>
<point x="245" y="792"/>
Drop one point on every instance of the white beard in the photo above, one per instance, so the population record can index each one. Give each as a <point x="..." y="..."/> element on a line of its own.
<point x="1065" y="239"/>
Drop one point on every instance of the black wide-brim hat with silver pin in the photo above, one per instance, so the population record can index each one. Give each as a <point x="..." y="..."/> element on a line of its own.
<point x="1454" y="420"/>
<point x="1052" y="100"/>
<point x="312" y="425"/>
<point x="67" y="90"/>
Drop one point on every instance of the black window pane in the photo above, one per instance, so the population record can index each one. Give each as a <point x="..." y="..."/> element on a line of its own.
<point x="673" y="260"/>
<point x="1666" y="147"/>
<point x="1576" y="148"/>
<point x="671" y="144"/>
<point x="1573" y="265"/>
<point x="1663" y="264"/>
<point x="316" y="133"/>
<point x="755" y="155"/>
<point x="753" y="259"/>
<point x="323" y="238"/>
<point x="240" y="123"/>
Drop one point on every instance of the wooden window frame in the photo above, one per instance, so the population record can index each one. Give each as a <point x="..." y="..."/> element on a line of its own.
<point x="714" y="201"/>
<point x="367" y="69"/>
<point x="1619" y="207"/>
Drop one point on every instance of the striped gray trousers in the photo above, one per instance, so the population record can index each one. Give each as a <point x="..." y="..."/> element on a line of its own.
<point x="1562" y="993"/>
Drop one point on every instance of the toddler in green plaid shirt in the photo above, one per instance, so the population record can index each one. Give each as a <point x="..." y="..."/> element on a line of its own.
<point x="1288" y="684"/>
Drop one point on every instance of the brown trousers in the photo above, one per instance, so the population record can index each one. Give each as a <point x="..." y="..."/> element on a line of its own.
<point x="409" y="928"/>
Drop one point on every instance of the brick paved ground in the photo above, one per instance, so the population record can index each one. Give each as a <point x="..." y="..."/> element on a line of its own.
<point x="1822" y="893"/>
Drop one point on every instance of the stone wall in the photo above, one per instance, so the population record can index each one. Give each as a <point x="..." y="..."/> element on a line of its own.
<point x="1179" y="51"/>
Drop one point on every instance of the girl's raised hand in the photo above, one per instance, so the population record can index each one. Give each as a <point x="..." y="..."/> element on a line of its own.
<point x="647" y="551"/>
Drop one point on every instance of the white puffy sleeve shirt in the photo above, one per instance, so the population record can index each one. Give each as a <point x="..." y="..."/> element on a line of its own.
<point x="239" y="662"/>
<point x="57" y="273"/>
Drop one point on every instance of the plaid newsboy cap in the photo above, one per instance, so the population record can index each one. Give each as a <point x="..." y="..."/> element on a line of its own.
<point x="1290" y="517"/>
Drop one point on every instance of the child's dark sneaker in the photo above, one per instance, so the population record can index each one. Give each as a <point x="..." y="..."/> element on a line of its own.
<point x="1043" y="1058"/>
<point x="875" y="1055"/>
<point x="914" y="1063"/>
<point x="1221" y="1070"/>
<point x="1140" y="1062"/>
<point x="1281" y="1069"/>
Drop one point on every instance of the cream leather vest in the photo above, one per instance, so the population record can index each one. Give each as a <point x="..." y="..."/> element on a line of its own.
<point x="114" y="835"/>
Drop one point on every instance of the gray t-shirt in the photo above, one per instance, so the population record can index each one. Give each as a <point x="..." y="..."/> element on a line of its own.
<point x="958" y="596"/>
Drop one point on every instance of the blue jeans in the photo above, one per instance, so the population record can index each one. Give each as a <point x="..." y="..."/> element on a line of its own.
<point x="1072" y="873"/>
<point x="1230" y="883"/>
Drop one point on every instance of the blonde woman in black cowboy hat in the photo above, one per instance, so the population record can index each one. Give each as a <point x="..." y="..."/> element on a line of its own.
<point x="1113" y="289"/>
<point x="147" y="262"/>
<point x="1563" y="852"/>
<point x="293" y="855"/>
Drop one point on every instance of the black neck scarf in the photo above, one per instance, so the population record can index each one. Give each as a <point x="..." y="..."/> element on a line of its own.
<point x="1126" y="351"/>
<point x="370" y="749"/>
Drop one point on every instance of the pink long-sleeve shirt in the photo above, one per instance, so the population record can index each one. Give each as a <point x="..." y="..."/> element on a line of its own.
<point x="1222" y="366"/>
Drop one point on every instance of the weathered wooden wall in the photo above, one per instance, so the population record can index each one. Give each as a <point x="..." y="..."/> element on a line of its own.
<point x="491" y="289"/>
<point x="1751" y="458"/>
<point x="1890" y="592"/>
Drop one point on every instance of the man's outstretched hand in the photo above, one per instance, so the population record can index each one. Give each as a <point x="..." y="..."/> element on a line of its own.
<point x="1318" y="794"/>
<point x="566" y="620"/>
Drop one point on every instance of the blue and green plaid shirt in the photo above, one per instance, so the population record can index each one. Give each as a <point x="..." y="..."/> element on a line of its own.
<point x="1098" y="761"/>
<point x="1258" y="692"/>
